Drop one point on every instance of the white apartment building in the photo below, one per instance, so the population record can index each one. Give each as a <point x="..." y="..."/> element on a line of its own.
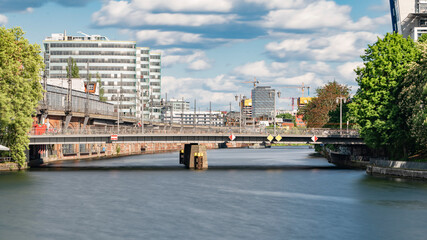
<point x="130" y="75"/>
<point x="409" y="17"/>
<point x="200" y="118"/>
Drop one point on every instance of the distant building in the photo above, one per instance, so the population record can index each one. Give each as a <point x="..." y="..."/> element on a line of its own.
<point x="263" y="101"/>
<point x="409" y="17"/>
<point x="200" y="118"/>
<point x="130" y="75"/>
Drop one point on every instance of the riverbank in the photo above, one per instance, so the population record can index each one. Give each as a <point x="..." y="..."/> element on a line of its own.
<point x="11" y="166"/>
<point x="413" y="170"/>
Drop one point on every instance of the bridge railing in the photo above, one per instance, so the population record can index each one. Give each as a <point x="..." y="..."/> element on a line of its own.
<point x="109" y="130"/>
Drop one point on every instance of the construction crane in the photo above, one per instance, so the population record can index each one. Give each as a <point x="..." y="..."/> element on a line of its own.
<point x="302" y="87"/>
<point x="254" y="82"/>
<point x="293" y="101"/>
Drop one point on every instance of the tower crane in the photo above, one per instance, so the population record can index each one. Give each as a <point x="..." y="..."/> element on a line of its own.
<point x="254" y="82"/>
<point x="302" y="87"/>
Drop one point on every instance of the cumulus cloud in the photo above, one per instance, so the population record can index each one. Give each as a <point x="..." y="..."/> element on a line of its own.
<point x="205" y="90"/>
<point x="346" y="71"/>
<point x="135" y="14"/>
<point x="196" y="60"/>
<point x="167" y="37"/>
<point x="261" y="69"/>
<point x="280" y="4"/>
<point x="3" y="19"/>
<point x="338" y="47"/>
<point x="185" y="5"/>
<point x="319" y="15"/>
<point x="199" y="64"/>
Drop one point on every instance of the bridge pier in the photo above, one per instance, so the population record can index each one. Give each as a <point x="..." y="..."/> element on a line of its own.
<point x="194" y="156"/>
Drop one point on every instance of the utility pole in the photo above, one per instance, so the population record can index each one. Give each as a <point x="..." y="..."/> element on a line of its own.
<point x="182" y="114"/>
<point x="142" y="110"/>
<point x="340" y="100"/>
<point x="240" y="111"/>
<point x="194" y="118"/>
<point x="120" y="103"/>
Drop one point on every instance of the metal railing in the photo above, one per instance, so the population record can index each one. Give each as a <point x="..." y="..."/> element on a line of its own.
<point x="188" y="129"/>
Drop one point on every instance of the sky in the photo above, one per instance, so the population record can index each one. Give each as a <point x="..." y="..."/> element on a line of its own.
<point x="212" y="49"/>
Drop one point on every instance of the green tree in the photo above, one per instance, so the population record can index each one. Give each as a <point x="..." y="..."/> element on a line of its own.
<point x="413" y="100"/>
<point x="101" y="88"/>
<point x="423" y="38"/>
<point x="288" y="116"/>
<point x="334" y="116"/>
<point x="316" y="112"/>
<point x="74" y="69"/>
<point x="20" y="89"/>
<point x="375" y="105"/>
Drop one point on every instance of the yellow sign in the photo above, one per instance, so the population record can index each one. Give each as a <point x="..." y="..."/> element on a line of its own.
<point x="270" y="138"/>
<point x="248" y="103"/>
<point x="278" y="138"/>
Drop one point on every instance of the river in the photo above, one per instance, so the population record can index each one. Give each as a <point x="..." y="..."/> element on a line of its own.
<point x="277" y="193"/>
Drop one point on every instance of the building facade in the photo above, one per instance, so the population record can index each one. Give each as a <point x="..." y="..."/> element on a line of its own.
<point x="130" y="76"/>
<point x="409" y="17"/>
<point x="263" y="101"/>
<point x="200" y="118"/>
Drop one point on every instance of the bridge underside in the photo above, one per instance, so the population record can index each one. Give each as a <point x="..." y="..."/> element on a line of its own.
<point x="81" y="139"/>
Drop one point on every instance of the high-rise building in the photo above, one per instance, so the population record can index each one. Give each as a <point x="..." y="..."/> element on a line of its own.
<point x="409" y="17"/>
<point x="130" y="75"/>
<point x="263" y="101"/>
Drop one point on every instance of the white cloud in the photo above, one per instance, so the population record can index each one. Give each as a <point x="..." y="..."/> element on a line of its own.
<point x="338" y="47"/>
<point x="320" y="15"/>
<point x="260" y="69"/>
<point x="216" y="92"/>
<point x="279" y="4"/>
<point x="196" y="59"/>
<point x="199" y="64"/>
<point x="167" y="37"/>
<point x="3" y="19"/>
<point x="184" y="5"/>
<point x="346" y="71"/>
<point x="131" y="14"/>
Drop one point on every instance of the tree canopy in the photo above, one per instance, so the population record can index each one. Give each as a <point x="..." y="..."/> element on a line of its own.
<point x="375" y="105"/>
<point x="316" y="112"/>
<point x="20" y="89"/>
<point x="413" y="100"/>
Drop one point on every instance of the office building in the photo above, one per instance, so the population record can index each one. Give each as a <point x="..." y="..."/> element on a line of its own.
<point x="130" y="75"/>
<point x="263" y="101"/>
<point x="200" y="118"/>
<point x="409" y="17"/>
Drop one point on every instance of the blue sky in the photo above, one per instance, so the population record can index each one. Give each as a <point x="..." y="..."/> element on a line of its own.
<point x="211" y="47"/>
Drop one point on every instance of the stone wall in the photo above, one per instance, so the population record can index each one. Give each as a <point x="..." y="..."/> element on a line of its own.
<point x="405" y="169"/>
<point x="90" y="151"/>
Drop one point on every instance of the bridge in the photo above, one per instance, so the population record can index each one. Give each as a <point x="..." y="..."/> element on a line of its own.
<point x="215" y="135"/>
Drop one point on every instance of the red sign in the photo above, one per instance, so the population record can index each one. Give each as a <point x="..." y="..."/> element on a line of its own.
<point x="114" y="137"/>
<point x="314" y="138"/>
<point x="232" y="137"/>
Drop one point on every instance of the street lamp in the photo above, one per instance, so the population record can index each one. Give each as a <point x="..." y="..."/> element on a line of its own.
<point x="274" y="95"/>
<point x="340" y="100"/>
<point x="240" y="111"/>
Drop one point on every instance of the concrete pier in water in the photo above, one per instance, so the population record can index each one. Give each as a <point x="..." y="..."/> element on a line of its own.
<point x="194" y="156"/>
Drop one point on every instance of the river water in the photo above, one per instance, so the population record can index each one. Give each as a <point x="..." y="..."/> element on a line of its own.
<point x="277" y="193"/>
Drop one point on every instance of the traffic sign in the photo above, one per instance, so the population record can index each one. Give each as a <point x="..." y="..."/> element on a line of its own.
<point x="270" y="138"/>
<point x="314" y="138"/>
<point x="278" y="138"/>
<point x="232" y="137"/>
<point x="114" y="137"/>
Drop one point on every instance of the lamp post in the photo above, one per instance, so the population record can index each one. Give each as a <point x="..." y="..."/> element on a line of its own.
<point x="240" y="111"/>
<point x="340" y="100"/>
<point x="272" y="94"/>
